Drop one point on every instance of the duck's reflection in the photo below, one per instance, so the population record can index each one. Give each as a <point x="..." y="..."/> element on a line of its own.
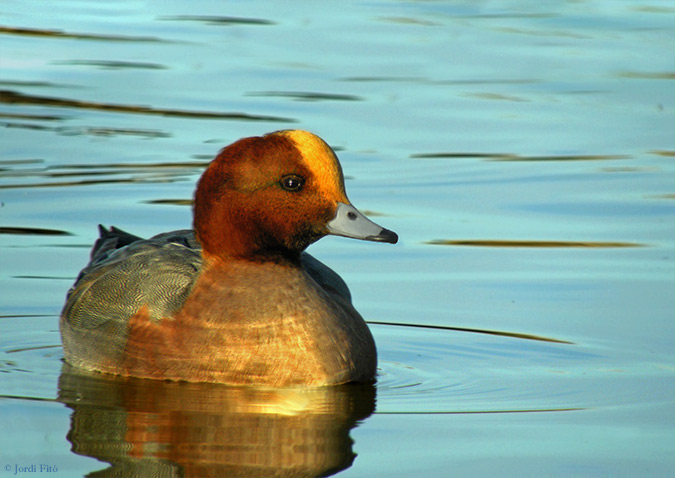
<point x="150" y="428"/>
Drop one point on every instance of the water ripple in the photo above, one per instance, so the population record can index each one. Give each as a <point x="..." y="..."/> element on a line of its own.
<point x="530" y="243"/>
<point x="40" y="32"/>
<point x="426" y="370"/>
<point x="12" y="97"/>
<point x="217" y="20"/>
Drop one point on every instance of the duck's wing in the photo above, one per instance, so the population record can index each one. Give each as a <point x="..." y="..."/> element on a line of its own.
<point x="127" y="273"/>
<point x="326" y="277"/>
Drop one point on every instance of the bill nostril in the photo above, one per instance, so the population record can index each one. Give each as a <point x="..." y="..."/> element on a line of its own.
<point x="352" y="216"/>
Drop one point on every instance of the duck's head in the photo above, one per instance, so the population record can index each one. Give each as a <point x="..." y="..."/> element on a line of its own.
<point x="274" y="195"/>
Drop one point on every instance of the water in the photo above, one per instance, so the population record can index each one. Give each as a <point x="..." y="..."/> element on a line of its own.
<point x="525" y="156"/>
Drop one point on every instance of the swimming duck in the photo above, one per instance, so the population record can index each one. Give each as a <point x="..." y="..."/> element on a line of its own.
<point x="236" y="300"/>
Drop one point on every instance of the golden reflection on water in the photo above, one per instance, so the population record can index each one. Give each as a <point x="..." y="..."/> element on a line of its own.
<point x="155" y="428"/>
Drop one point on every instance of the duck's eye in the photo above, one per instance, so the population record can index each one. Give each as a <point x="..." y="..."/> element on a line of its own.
<point x="292" y="183"/>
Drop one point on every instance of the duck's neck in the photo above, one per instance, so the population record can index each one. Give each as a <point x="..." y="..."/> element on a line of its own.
<point x="267" y="256"/>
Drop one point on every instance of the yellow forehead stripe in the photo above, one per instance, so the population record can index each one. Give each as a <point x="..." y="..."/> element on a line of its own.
<point x="321" y="160"/>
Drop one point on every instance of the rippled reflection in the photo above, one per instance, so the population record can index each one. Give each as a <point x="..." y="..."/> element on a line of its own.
<point x="39" y="32"/>
<point x="152" y="428"/>
<point x="517" y="157"/>
<point x="114" y="65"/>
<point x="306" y="96"/>
<point x="528" y="243"/>
<point x="76" y="131"/>
<point x="217" y="20"/>
<point x="87" y="174"/>
<point x="517" y="335"/>
<point x="12" y="97"/>
<point x="33" y="231"/>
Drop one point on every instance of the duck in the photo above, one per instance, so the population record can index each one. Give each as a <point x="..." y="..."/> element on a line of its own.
<point x="236" y="299"/>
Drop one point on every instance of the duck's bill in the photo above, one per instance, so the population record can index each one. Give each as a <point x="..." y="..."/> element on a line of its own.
<point x="350" y="222"/>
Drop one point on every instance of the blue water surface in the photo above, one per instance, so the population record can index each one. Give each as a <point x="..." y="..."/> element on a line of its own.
<point x="524" y="153"/>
